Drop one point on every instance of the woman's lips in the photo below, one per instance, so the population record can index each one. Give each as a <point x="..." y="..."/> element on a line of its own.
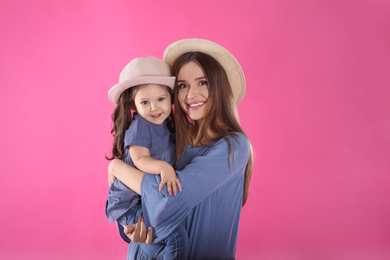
<point x="196" y="105"/>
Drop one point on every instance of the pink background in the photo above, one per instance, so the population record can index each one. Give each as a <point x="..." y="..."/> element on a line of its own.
<point x="316" y="110"/>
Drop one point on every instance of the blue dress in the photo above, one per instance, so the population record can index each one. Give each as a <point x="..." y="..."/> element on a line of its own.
<point x="124" y="206"/>
<point x="209" y="204"/>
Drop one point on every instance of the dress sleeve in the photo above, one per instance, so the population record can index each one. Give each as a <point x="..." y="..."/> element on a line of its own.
<point x="205" y="174"/>
<point x="122" y="233"/>
<point x="138" y="134"/>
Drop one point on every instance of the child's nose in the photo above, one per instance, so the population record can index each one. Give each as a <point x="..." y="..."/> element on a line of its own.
<point x="153" y="107"/>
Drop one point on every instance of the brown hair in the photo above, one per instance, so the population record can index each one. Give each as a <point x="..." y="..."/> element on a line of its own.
<point x="122" y="117"/>
<point x="220" y="118"/>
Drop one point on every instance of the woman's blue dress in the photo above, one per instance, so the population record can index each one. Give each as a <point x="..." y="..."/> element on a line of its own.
<point x="209" y="204"/>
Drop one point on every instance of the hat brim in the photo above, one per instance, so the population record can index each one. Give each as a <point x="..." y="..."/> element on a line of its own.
<point x="224" y="57"/>
<point x="116" y="90"/>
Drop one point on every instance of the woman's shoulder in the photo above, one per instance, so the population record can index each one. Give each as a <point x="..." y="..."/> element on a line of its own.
<point x="234" y="141"/>
<point x="235" y="146"/>
<point x="234" y="138"/>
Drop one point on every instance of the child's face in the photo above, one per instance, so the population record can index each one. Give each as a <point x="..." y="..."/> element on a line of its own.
<point x="153" y="102"/>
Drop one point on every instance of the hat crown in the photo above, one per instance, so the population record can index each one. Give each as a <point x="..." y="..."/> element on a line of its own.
<point x="145" y="66"/>
<point x="140" y="71"/>
<point x="223" y="56"/>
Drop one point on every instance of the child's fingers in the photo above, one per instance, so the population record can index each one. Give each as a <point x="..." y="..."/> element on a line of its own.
<point x="161" y="186"/>
<point x="178" y="183"/>
<point x="174" y="188"/>
<point x="169" y="187"/>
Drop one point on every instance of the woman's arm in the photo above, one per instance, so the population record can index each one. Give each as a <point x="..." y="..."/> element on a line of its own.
<point x="207" y="172"/>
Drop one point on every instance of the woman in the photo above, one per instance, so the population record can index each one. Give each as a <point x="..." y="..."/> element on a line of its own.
<point x="214" y="157"/>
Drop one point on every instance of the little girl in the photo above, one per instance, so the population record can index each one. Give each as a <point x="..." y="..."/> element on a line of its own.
<point x="145" y="141"/>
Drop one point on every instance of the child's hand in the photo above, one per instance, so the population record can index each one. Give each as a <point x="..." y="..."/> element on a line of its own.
<point x="168" y="176"/>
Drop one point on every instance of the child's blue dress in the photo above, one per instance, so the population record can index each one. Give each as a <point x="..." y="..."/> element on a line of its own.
<point x="124" y="206"/>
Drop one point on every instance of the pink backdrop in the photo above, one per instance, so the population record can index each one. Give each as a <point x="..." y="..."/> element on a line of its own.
<point x="316" y="110"/>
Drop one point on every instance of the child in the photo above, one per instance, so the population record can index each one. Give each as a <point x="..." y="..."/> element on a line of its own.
<point x="144" y="141"/>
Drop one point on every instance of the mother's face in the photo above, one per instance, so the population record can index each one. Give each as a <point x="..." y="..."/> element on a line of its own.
<point x="193" y="90"/>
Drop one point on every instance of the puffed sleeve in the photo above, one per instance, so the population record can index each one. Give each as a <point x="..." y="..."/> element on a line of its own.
<point x="138" y="133"/>
<point x="205" y="174"/>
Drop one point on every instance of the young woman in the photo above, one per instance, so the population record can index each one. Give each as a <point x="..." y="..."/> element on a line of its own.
<point x="214" y="157"/>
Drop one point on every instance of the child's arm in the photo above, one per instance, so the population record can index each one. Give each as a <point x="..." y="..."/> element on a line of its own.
<point x="143" y="161"/>
<point x="130" y="176"/>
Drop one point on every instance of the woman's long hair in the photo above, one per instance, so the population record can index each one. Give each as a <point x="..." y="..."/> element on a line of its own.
<point x="221" y="117"/>
<point x="122" y="117"/>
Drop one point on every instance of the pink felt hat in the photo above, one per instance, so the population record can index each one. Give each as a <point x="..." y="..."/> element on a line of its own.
<point x="140" y="71"/>
<point x="224" y="57"/>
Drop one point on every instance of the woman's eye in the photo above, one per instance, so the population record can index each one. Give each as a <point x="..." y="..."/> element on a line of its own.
<point x="203" y="82"/>
<point x="182" y="85"/>
<point x="144" y="102"/>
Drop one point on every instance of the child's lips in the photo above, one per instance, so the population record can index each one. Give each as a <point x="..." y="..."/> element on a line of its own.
<point x="157" y="115"/>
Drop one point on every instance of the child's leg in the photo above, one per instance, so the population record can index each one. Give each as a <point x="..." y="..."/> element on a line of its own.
<point x="176" y="244"/>
<point x="123" y="205"/>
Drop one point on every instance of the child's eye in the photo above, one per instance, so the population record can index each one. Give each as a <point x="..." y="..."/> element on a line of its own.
<point x="145" y="102"/>
<point x="161" y="99"/>
<point x="203" y="82"/>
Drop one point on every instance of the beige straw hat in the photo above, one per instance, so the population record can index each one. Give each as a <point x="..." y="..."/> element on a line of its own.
<point x="223" y="56"/>
<point x="140" y="71"/>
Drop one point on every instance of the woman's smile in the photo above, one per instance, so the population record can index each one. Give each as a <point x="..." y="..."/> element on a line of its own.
<point x="196" y="105"/>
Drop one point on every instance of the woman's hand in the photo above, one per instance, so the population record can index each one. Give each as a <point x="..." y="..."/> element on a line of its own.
<point x="138" y="232"/>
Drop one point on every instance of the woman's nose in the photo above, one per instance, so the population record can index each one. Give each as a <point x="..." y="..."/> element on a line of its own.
<point x="192" y="92"/>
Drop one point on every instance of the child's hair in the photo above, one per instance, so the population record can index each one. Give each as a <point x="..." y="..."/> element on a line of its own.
<point x="221" y="112"/>
<point x="122" y="117"/>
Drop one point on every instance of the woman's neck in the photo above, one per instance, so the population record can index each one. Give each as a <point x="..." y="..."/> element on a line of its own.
<point x="201" y="137"/>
